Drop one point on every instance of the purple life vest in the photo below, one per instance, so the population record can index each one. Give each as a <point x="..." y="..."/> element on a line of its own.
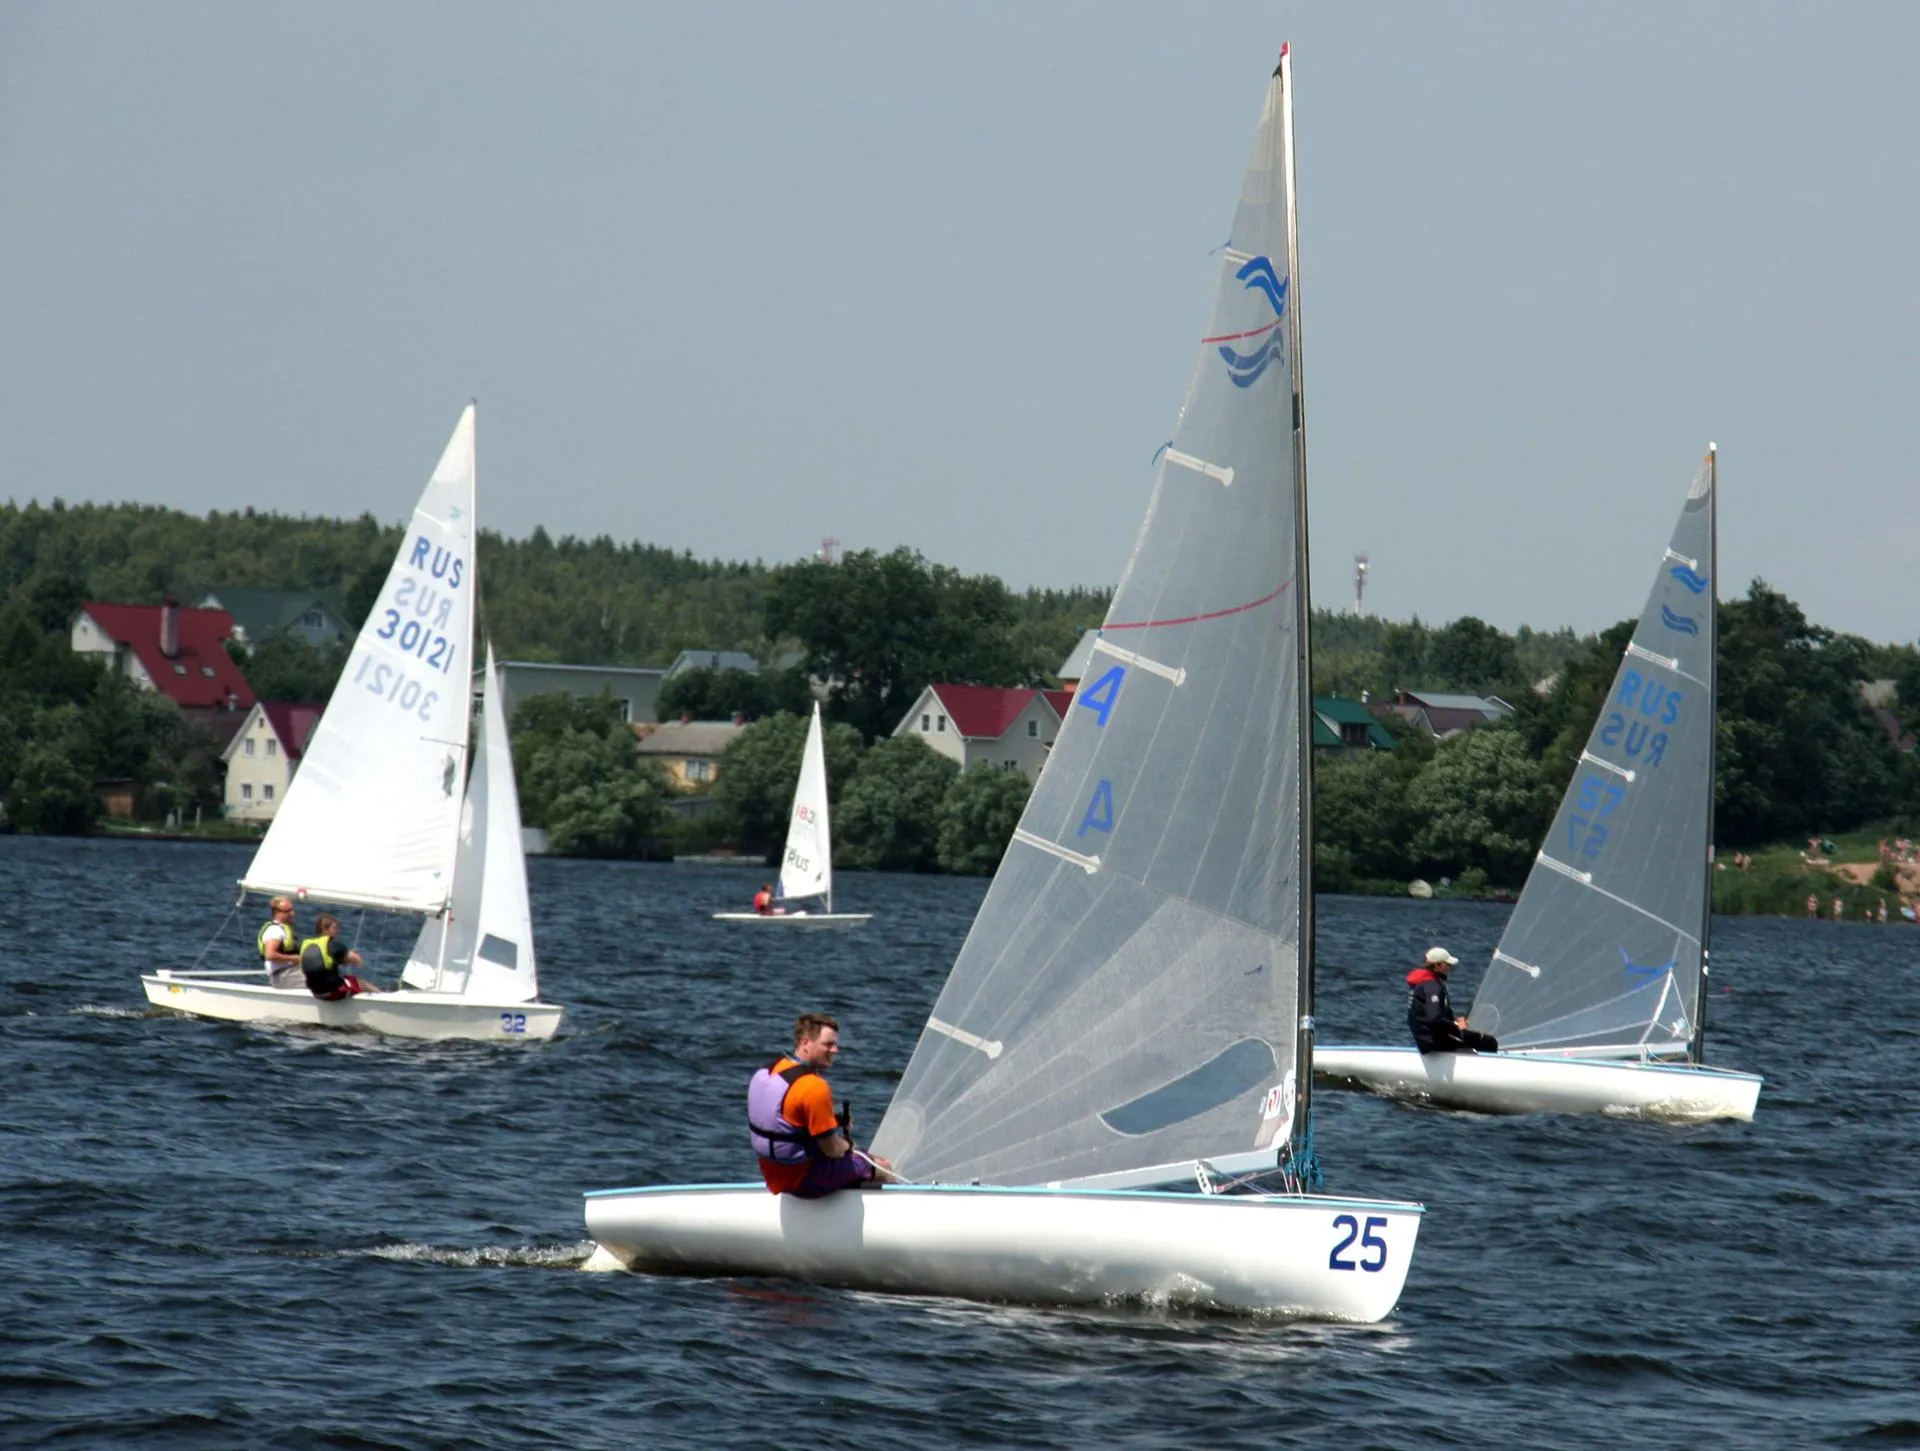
<point x="772" y="1135"/>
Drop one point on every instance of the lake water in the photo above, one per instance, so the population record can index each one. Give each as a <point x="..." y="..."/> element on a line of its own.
<point x="217" y="1235"/>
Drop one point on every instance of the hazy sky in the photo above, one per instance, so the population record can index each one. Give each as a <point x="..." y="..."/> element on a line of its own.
<point x="732" y="277"/>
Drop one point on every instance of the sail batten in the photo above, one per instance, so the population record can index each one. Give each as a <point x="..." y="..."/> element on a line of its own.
<point x="1137" y="959"/>
<point x="1617" y="901"/>
<point x="372" y="815"/>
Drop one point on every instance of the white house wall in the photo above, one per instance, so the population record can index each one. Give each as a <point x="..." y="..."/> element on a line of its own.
<point x="251" y="777"/>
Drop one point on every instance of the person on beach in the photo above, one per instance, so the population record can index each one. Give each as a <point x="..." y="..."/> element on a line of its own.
<point x="805" y="1148"/>
<point x="322" y="957"/>
<point x="1436" y="1027"/>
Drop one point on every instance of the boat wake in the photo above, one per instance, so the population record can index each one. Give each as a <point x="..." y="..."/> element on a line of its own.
<point x="487" y="1257"/>
<point x="108" y="1010"/>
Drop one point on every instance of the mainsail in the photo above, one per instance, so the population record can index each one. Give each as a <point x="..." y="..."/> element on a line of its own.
<point x="1604" y="953"/>
<point x="806" y="870"/>
<point x="483" y="946"/>
<point x="1131" y="993"/>
<point x="372" y="816"/>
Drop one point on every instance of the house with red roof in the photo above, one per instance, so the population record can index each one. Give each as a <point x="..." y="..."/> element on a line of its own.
<point x="1010" y="727"/>
<point x="179" y="652"/>
<point x="263" y="755"/>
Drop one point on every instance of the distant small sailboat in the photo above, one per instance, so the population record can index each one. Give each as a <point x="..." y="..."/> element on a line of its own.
<point x="806" y="869"/>
<point x="1135" y="999"/>
<point x="377" y="818"/>
<point x="1597" y="991"/>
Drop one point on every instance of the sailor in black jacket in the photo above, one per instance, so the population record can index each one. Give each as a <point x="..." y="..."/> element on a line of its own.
<point x="1436" y="1028"/>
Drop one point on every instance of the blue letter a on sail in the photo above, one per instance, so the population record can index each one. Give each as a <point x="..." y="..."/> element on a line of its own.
<point x="1099" y="696"/>
<point x="1099" y="815"/>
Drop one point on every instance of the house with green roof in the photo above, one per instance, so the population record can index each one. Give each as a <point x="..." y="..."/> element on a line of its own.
<point x="310" y="615"/>
<point x="1347" y="725"/>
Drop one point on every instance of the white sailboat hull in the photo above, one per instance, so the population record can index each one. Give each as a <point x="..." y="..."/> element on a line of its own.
<point x="403" y="1014"/>
<point x="816" y="920"/>
<point x="1538" y="1083"/>
<point x="1301" y="1256"/>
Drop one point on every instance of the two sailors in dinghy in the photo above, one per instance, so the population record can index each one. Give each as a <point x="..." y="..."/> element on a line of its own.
<point x="1435" y="1026"/>
<point x="804" y="1146"/>
<point x="313" y="964"/>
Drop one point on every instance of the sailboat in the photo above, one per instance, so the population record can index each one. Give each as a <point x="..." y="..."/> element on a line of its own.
<point x="806" y="868"/>
<point x="1597" y="993"/>
<point x="377" y="818"/>
<point x="1132" y="1005"/>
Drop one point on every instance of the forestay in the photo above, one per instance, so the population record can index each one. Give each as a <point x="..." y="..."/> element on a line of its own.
<point x="372" y="816"/>
<point x="488" y="948"/>
<point x="807" y="868"/>
<point x="1603" y="953"/>
<point x="1129" y="993"/>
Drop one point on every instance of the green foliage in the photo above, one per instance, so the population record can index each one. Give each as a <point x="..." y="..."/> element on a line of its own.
<point x="286" y="667"/>
<point x="721" y="694"/>
<point x="1362" y="817"/>
<point x="755" y="779"/>
<point x="880" y="627"/>
<point x="889" y="817"/>
<point x="1355" y="653"/>
<point x="1480" y="803"/>
<point x="580" y="778"/>
<point x="1471" y="655"/>
<point x="48" y="791"/>
<point x="1798" y="749"/>
<point x="977" y="818"/>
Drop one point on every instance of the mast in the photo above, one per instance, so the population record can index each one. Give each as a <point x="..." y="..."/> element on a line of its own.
<point x="1302" y="1128"/>
<point x="1696" y="1050"/>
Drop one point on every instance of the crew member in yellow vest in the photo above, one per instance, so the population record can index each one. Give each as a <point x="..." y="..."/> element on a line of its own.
<point x="280" y="946"/>
<point x="322" y="958"/>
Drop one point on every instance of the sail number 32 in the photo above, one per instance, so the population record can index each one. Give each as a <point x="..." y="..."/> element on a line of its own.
<point x="1376" y="1258"/>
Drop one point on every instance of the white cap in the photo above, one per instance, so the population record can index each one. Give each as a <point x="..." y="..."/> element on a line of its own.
<point x="1437" y="955"/>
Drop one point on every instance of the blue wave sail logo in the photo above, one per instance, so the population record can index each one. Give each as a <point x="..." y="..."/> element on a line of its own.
<point x="1268" y="342"/>
<point x="1259" y="273"/>
<point x="1643" y="975"/>
<point x="1686" y="575"/>
<point x="1679" y="624"/>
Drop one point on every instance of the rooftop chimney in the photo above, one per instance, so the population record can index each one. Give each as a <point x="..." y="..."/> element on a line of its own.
<point x="170" y="628"/>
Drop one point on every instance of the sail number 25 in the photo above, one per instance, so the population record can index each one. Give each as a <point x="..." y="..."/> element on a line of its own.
<point x="1375" y="1259"/>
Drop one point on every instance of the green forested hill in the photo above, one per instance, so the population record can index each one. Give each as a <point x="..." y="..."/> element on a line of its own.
<point x="568" y="599"/>
<point x="1800" y="753"/>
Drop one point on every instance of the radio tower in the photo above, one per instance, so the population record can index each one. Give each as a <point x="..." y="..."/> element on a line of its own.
<point x="829" y="551"/>
<point x="1359" y="584"/>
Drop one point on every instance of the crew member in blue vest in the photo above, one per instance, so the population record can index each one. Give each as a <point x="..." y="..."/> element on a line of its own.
<point x="805" y="1147"/>
<point x="1436" y="1027"/>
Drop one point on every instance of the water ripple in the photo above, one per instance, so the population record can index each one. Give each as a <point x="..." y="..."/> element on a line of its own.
<point x="234" y="1235"/>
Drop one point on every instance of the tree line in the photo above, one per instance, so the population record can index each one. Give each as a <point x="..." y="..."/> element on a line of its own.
<point x="1799" y="752"/>
<point x="896" y="805"/>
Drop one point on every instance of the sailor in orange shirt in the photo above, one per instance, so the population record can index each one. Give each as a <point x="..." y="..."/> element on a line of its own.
<point x="804" y="1147"/>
